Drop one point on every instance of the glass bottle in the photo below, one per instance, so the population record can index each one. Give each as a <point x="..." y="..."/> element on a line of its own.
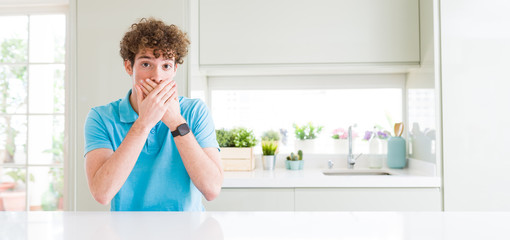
<point x="375" y="160"/>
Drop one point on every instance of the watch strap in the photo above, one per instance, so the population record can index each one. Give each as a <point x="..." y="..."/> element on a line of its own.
<point x="181" y="130"/>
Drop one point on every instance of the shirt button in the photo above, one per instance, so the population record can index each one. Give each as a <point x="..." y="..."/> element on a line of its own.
<point x="152" y="131"/>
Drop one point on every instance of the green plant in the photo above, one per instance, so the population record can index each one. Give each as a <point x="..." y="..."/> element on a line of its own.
<point x="269" y="147"/>
<point x="243" y="137"/>
<point x="225" y="138"/>
<point x="294" y="157"/>
<point x="237" y="137"/>
<point x="12" y="51"/>
<point x="57" y="180"/>
<point x="307" y="131"/>
<point x="270" y="135"/>
<point x="18" y="175"/>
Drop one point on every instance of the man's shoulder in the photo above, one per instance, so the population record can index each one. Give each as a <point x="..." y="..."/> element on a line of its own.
<point x="108" y="110"/>
<point x="190" y="103"/>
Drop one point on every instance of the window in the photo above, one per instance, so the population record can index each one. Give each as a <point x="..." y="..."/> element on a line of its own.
<point x="331" y="105"/>
<point x="32" y="111"/>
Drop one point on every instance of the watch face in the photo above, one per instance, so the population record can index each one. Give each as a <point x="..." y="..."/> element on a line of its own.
<point x="183" y="129"/>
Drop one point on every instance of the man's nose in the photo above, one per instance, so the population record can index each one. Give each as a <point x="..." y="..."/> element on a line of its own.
<point x="157" y="75"/>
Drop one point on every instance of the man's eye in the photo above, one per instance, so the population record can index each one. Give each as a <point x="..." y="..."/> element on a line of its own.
<point x="145" y="65"/>
<point x="167" y="66"/>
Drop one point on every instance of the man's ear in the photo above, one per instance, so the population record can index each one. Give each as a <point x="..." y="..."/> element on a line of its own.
<point x="128" y="67"/>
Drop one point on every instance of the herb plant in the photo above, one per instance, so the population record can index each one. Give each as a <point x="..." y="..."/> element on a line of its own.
<point x="243" y="137"/>
<point x="225" y="138"/>
<point x="269" y="148"/>
<point x="271" y="135"/>
<point x="307" y="131"/>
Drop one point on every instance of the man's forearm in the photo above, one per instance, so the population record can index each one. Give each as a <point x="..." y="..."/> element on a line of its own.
<point x="205" y="173"/>
<point x="110" y="177"/>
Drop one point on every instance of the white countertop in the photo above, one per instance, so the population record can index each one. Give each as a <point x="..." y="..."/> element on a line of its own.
<point x="254" y="225"/>
<point x="313" y="178"/>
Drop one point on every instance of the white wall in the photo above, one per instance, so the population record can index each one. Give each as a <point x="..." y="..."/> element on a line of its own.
<point x="475" y="50"/>
<point x="100" y="75"/>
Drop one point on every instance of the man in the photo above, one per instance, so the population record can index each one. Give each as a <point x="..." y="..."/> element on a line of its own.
<point x="152" y="150"/>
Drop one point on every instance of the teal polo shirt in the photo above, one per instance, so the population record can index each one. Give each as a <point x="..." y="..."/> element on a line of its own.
<point x="158" y="181"/>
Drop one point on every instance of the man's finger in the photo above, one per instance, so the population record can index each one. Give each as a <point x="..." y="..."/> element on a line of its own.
<point x="164" y="91"/>
<point x="159" y="88"/>
<point x="145" y="87"/>
<point x="138" y="93"/>
<point x="151" y="83"/>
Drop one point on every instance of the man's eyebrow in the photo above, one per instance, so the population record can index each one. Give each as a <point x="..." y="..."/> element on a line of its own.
<point x="144" y="56"/>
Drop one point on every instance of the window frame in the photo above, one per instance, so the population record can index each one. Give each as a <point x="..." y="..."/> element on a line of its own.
<point x="66" y="165"/>
<point x="302" y="81"/>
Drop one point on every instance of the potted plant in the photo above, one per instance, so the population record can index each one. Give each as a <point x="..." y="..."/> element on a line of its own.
<point x="295" y="162"/>
<point x="236" y="149"/>
<point x="12" y="197"/>
<point x="306" y="135"/>
<point x="53" y="198"/>
<point x="270" y="135"/>
<point x="269" y="150"/>
<point x="340" y="142"/>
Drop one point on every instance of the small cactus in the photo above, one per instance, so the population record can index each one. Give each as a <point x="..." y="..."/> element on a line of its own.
<point x="294" y="157"/>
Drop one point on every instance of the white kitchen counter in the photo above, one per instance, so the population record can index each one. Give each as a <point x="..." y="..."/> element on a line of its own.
<point x="313" y="178"/>
<point x="254" y="225"/>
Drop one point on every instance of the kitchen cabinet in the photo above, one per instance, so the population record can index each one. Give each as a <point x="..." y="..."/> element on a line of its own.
<point x="474" y="81"/>
<point x="326" y="199"/>
<point x="368" y="199"/>
<point x="258" y="199"/>
<point x="233" y="32"/>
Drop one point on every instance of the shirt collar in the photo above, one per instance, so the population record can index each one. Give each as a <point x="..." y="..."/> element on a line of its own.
<point x="126" y="111"/>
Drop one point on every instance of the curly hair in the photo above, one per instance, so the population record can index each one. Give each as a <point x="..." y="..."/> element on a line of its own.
<point x="167" y="40"/>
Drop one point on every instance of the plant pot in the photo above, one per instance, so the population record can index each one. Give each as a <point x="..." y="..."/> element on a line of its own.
<point x="7" y="185"/>
<point x="12" y="201"/>
<point x="307" y="146"/>
<point x="237" y="159"/>
<point x="340" y="146"/>
<point x="294" y="165"/>
<point x="268" y="161"/>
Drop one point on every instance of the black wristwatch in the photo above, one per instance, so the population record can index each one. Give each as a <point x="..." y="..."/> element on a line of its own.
<point x="181" y="130"/>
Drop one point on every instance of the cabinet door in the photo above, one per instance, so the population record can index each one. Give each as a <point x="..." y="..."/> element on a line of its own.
<point x="368" y="199"/>
<point x="300" y="31"/>
<point x="252" y="199"/>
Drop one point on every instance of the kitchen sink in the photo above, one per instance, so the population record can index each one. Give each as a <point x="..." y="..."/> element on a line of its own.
<point x="355" y="172"/>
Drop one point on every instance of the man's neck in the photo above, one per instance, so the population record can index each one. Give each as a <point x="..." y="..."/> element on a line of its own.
<point x="132" y="100"/>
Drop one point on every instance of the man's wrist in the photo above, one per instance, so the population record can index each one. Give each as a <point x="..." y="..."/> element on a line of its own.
<point x="173" y="123"/>
<point x="140" y="128"/>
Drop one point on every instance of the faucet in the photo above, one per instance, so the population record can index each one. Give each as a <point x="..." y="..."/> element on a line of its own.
<point x="351" y="160"/>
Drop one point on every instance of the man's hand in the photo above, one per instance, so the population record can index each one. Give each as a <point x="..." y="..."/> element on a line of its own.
<point x="154" y="104"/>
<point x="172" y="116"/>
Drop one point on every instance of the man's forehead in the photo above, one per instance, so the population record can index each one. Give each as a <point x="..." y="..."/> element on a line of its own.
<point x="149" y="53"/>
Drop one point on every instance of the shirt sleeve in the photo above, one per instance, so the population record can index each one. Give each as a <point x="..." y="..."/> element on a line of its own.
<point x="203" y="129"/>
<point x="96" y="135"/>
